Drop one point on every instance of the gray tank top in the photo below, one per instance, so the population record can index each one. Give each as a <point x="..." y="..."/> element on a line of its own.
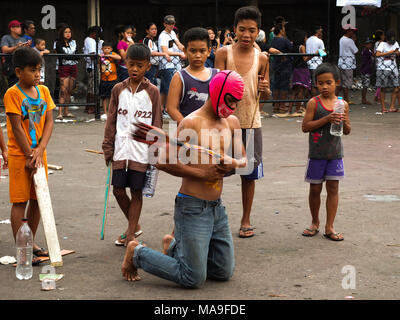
<point x="323" y="145"/>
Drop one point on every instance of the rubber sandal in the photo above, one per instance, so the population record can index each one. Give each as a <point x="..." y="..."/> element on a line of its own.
<point x="310" y="234"/>
<point x="59" y="117"/>
<point x="329" y="236"/>
<point x="41" y="252"/>
<point x="123" y="237"/>
<point x="244" y="230"/>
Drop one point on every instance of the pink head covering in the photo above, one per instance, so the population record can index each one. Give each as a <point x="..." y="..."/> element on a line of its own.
<point x="225" y="83"/>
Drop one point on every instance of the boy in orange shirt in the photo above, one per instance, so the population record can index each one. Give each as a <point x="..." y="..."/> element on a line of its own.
<point x="29" y="126"/>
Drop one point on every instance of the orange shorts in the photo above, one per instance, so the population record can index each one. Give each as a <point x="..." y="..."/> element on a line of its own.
<point x="22" y="188"/>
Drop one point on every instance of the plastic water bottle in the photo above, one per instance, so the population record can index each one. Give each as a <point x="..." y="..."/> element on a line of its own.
<point x="24" y="244"/>
<point x="150" y="182"/>
<point x="337" y="129"/>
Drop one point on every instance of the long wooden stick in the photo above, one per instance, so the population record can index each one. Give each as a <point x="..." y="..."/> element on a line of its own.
<point x="94" y="151"/>
<point x="108" y="181"/>
<point x="46" y="212"/>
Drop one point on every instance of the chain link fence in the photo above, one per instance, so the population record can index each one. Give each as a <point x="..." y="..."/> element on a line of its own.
<point x="85" y="83"/>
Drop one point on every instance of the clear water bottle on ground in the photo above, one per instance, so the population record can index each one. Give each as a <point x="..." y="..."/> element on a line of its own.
<point x="150" y="182"/>
<point x="24" y="244"/>
<point x="337" y="129"/>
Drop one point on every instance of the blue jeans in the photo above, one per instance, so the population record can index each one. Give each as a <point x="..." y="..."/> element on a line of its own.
<point x="202" y="248"/>
<point x="166" y="77"/>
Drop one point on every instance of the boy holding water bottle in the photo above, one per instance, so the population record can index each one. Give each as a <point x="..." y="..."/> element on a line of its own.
<point x="132" y="100"/>
<point x="325" y="148"/>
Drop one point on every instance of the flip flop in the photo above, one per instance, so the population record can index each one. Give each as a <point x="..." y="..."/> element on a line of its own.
<point x="244" y="230"/>
<point x="337" y="234"/>
<point x="394" y="110"/>
<point x="69" y="115"/>
<point x="42" y="252"/>
<point x="59" y="117"/>
<point x="123" y="237"/>
<point x="310" y="234"/>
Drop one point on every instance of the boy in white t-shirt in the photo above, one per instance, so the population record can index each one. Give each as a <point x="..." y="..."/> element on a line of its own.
<point x="347" y="60"/>
<point x="169" y="44"/>
<point x="313" y="45"/>
<point x="387" y="74"/>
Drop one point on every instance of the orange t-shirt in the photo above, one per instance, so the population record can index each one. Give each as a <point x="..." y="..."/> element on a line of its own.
<point x="32" y="112"/>
<point x="108" y="69"/>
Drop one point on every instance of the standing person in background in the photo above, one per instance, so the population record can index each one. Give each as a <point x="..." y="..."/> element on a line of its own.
<point x="40" y="48"/>
<point x="271" y="36"/>
<point x="282" y="68"/>
<point x="227" y="37"/>
<point x="379" y="36"/>
<point x="56" y="92"/>
<point x="301" y="80"/>
<point x="29" y="31"/>
<point x="9" y="43"/>
<point x="109" y="76"/>
<point x="149" y="40"/>
<point x="67" y="69"/>
<point x="126" y="34"/>
<point x="387" y="74"/>
<point x="169" y="44"/>
<point x="313" y="45"/>
<point x="347" y="60"/>
<point x="89" y="47"/>
<point x="367" y="67"/>
<point x="215" y="44"/>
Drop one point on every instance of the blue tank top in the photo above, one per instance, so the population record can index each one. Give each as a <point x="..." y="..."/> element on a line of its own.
<point x="194" y="91"/>
<point x="323" y="145"/>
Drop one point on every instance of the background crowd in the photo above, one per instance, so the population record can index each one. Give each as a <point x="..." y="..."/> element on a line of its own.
<point x="373" y="63"/>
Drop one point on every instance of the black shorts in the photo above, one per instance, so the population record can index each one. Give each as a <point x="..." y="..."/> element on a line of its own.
<point x="128" y="179"/>
<point x="106" y="87"/>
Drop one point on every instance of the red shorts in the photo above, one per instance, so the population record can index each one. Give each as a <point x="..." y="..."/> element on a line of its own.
<point x="68" y="71"/>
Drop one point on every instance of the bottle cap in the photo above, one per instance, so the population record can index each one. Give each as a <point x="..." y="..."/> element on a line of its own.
<point x="340" y="97"/>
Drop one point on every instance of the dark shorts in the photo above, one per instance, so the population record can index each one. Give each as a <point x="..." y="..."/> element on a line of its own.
<point x="68" y="71"/>
<point x="320" y="170"/>
<point x="281" y="80"/>
<point x="122" y="178"/>
<point x="106" y="87"/>
<point x="166" y="77"/>
<point x="254" y="153"/>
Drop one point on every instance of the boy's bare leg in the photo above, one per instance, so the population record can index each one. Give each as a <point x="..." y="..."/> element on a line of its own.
<point x="124" y="203"/>
<point x="332" y="201"/>
<point x="314" y="201"/>
<point x="248" y="189"/>
<point x="166" y="241"/>
<point x="33" y="215"/>
<point x="106" y="101"/>
<point x="17" y="214"/>
<point x="135" y="209"/>
<point x="129" y="272"/>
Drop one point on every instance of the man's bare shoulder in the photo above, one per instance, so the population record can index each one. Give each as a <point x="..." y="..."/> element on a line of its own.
<point x="233" y="122"/>
<point x="221" y="52"/>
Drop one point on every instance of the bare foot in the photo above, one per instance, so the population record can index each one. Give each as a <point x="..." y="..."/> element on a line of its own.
<point x="166" y="242"/>
<point x="129" y="271"/>
<point x="366" y="102"/>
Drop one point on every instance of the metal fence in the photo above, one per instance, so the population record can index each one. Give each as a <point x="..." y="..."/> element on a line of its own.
<point x="95" y="58"/>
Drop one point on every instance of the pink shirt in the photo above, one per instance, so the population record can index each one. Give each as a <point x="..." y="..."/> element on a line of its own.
<point x="124" y="46"/>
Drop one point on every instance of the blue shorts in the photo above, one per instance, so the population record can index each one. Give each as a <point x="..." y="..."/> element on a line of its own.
<point x="320" y="170"/>
<point x="166" y="77"/>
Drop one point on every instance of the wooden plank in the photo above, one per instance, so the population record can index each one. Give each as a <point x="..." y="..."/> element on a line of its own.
<point x="46" y="212"/>
<point x="42" y="259"/>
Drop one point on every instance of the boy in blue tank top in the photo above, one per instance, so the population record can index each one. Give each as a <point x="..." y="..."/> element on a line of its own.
<point x="325" y="150"/>
<point x="188" y="90"/>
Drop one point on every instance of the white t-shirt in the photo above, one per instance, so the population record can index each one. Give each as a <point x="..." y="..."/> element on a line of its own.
<point x="313" y="44"/>
<point x="89" y="47"/>
<point x="347" y="51"/>
<point x="387" y="62"/>
<point x="168" y="40"/>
